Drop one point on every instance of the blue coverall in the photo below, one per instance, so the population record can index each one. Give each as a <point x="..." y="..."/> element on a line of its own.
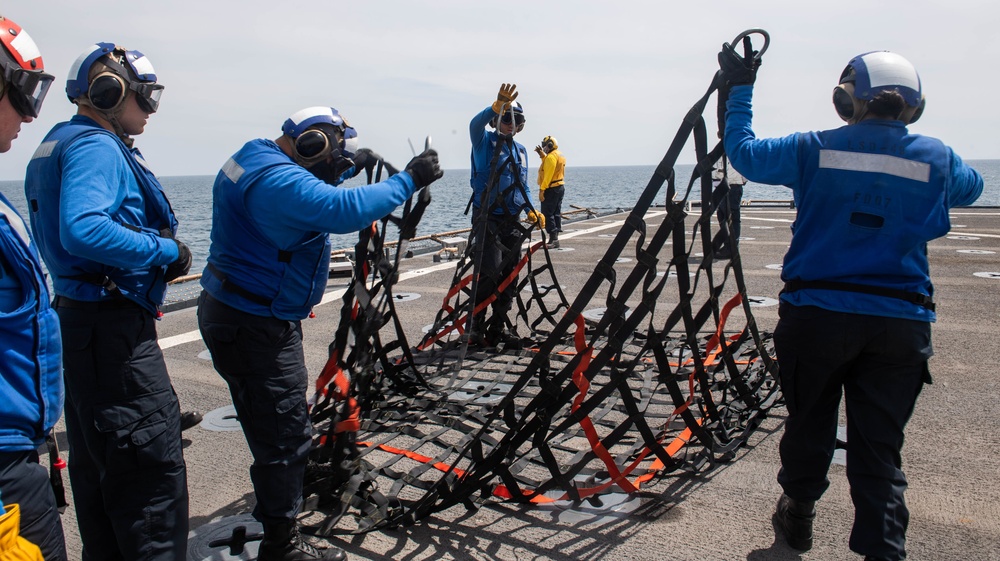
<point x="855" y="313"/>
<point x="97" y="212"/>
<point x="267" y="268"/>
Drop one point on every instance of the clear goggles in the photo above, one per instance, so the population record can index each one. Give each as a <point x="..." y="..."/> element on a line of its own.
<point x="27" y="89"/>
<point x="147" y="94"/>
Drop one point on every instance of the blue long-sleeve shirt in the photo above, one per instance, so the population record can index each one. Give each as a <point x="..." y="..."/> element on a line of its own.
<point x="271" y="221"/>
<point x="869" y="198"/>
<point x="90" y="215"/>
<point x="483" y="145"/>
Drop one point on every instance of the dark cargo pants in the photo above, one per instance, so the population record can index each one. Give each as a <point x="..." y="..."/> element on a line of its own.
<point x="879" y="365"/>
<point x="261" y="359"/>
<point x="126" y="463"/>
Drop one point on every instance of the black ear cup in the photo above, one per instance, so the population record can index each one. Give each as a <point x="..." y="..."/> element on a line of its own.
<point x="106" y="91"/>
<point x="316" y="145"/>
<point x="844" y="102"/>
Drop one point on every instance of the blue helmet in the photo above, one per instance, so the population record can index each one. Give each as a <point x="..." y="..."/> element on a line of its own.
<point x="870" y="74"/>
<point x="320" y="122"/>
<point x="126" y="70"/>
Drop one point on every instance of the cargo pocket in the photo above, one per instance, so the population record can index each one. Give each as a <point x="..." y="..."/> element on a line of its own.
<point x="140" y="433"/>
<point x="282" y="420"/>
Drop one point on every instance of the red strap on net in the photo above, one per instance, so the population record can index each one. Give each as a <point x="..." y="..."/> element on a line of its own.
<point x="460" y="324"/>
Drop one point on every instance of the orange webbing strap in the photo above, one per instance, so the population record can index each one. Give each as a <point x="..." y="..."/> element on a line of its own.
<point x="353" y="421"/>
<point x="460" y="325"/>
<point x="330" y="370"/>
<point x="618" y="477"/>
<point x="723" y="316"/>
<point x="503" y="492"/>
<point x="333" y="377"/>
<point x="583" y="492"/>
<point x="440" y="466"/>
<point x="712" y="347"/>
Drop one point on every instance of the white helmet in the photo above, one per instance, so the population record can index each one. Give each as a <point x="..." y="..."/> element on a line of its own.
<point x="868" y="75"/>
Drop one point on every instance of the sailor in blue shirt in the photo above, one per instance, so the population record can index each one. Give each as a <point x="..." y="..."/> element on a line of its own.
<point x="275" y="204"/>
<point x="106" y="232"/>
<point x="499" y="180"/>
<point x="856" y="310"/>
<point x="31" y="385"/>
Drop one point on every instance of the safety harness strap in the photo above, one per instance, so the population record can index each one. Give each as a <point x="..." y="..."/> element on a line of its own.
<point x="230" y="286"/>
<point x="913" y="297"/>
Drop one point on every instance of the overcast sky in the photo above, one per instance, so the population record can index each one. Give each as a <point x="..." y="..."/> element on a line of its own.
<point x="610" y="79"/>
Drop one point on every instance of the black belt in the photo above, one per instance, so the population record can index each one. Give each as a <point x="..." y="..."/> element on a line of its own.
<point x="560" y="185"/>
<point x="95" y="306"/>
<point x="913" y="297"/>
<point x="230" y="286"/>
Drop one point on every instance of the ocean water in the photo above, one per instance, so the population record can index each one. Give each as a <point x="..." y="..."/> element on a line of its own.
<point x="602" y="189"/>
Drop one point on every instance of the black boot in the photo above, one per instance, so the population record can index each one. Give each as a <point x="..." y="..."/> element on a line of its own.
<point x="794" y="521"/>
<point x="553" y="241"/>
<point x="282" y="542"/>
<point x="477" y="337"/>
<point x="190" y="419"/>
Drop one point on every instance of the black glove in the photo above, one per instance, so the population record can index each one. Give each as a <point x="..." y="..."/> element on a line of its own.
<point x="366" y="160"/>
<point x="425" y="169"/>
<point x="736" y="69"/>
<point x="182" y="265"/>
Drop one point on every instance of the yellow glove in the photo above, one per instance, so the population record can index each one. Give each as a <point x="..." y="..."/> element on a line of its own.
<point x="507" y="94"/>
<point x="541" y="195"/>
<point x="540" y="152"/>
<point x="536" y="218"/>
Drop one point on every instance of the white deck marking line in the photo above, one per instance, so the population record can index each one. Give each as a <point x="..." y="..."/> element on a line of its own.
<point x="964" y="233"/>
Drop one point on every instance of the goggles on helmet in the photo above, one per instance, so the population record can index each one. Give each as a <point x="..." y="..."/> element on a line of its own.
<point x="108" y="90"/>
<point x="147" y="95"/>
<point x="127" y="70"/>
<point x="27" y="89"/>
<point x="24" y="77"/>
<point x="507" y="119"/>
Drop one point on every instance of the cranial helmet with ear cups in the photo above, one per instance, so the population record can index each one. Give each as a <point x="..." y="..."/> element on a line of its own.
<point x="311" y="131"/>
<point x="126" y="70"/>
<point x="868" y="75"/>
<point x="550" y="140"/>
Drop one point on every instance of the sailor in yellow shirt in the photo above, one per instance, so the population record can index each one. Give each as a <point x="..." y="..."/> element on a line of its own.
<point x="551" y="186"/>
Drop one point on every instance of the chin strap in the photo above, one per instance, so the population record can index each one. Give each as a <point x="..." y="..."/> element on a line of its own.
<point x="112" y="118"/>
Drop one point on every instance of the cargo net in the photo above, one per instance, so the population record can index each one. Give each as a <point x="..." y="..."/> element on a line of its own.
<point x="673" y="376"/>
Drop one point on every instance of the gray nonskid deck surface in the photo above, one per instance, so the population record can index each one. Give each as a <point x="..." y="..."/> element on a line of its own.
<point x="950" y="456"/>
